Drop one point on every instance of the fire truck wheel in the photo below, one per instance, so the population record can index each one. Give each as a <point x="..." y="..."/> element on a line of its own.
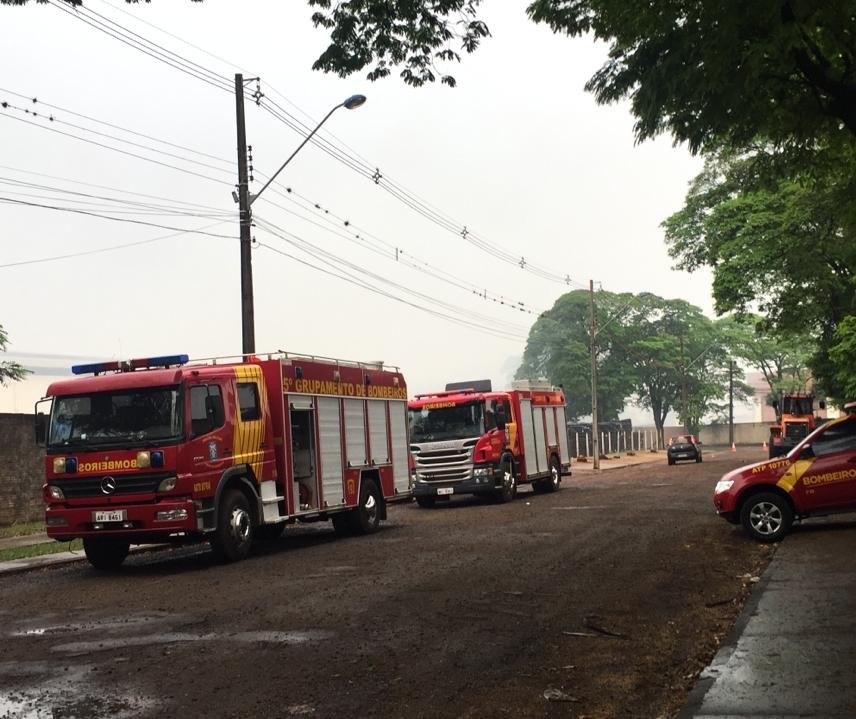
<point x="766" y="516"/>
<point x="508" y="491"/>
<point x="365" y="517"/>
<point x="426" y="502"/>
<point x="105" y="553"/>
<point x="234" y="535"/>
<point x="552" y="484"/>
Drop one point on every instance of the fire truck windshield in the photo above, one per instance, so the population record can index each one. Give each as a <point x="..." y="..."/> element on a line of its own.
<point x="122" y="417"/>
<point x="449" y="422"/>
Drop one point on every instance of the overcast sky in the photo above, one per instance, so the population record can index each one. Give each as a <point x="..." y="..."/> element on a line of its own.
<point x="518" y="154"/>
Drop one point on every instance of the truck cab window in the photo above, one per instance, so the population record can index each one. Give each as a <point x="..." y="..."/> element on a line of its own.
<point x="206" y="409"/>
<point x="248" y="401"/>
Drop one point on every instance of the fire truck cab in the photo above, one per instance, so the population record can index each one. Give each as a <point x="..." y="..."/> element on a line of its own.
<point x="472" y="440"/>
<point x="161" y="449"/>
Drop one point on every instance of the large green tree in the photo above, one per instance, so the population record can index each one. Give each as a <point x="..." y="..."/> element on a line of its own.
<point x="777" y="227"/>
<point x="9" y="371"/>
<point x="664" y="355"/>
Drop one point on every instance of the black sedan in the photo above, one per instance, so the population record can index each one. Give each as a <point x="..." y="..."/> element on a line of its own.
<point x="683" y="447"/>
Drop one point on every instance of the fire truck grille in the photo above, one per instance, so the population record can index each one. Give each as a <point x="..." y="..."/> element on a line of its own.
<point x="125" y="484"/>
<point x="796" y="430"/>
<point x="444" y="465"/>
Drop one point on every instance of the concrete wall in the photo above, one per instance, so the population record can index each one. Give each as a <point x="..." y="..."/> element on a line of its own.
<point x="21" y="471"/>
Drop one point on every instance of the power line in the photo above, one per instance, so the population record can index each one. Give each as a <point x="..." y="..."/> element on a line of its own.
<point x="100" y="250"/>
<point x="114" y="149"/>
<point x="11" y="201"/>
<point x="323" y="255"/>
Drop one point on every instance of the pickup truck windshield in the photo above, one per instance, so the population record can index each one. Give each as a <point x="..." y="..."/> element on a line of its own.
<point x="122" y="417"/>
<point x="434" y="424"/>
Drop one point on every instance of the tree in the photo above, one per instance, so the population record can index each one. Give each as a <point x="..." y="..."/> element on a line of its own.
<point x="662" y="354"/>
<point x="782" y="358"/>
<point x="9" y="371"/>
<point x="559" y="348"/>
<point x="777" y="227"/>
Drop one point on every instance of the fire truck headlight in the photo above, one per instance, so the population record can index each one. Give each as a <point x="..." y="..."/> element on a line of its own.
<point x="144" y="459"/>
<point x="168" y="484"/>
<point x="723" y="485"/>
<point x="59" y="465"/>
<point x="54" y="492"/>
<point x="171" y="515"/>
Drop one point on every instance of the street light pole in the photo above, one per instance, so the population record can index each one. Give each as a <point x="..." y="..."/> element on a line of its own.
<point x="245" y="201"/>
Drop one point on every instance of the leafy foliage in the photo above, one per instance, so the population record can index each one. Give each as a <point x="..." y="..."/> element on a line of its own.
<point x="648" y="349"/>
<point x="415" y="35"/>
<point x="9" y="371"/>
<point x="777" y="227"/>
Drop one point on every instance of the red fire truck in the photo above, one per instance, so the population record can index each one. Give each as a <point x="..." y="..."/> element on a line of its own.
<point x="160" y="449"/>
<point x="472" y="440"/>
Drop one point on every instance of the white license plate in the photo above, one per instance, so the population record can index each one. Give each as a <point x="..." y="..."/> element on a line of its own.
<point x="113" y="515"/>
<point x="445" y="490"/>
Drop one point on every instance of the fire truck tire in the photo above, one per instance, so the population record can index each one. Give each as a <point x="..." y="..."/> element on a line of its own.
<point x="426" y="502"/>
<point x="105" y="553"/>
<point x="233" y="537"/>
<point x="508" y="491"/>
<point x="552" y="483"/>
<point x="365" y="517"/>
<point x="766" y="516"/>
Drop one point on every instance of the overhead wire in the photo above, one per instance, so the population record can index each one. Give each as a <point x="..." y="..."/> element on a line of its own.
<point x="100" y="250"/>
<point x="321" y="254"/>
<point x="356" y="163"/>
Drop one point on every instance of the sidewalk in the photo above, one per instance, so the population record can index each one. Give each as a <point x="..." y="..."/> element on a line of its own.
<point x="790" y="653"/>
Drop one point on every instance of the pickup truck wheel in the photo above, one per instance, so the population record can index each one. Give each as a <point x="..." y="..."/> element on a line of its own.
<point x="767" y="517"/>
<point x="234" y="535"/>
<point x="365" y="517"/>
<point x="508" y="490"/>
<point x="105" y="553"/>
<point x="426" y="502"/>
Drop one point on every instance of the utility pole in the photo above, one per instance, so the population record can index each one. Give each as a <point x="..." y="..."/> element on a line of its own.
<point x="684" y="389"/>
<point x="248" y="331"/>
<point x="595" y="440"/>
<point x="731" y="403"/>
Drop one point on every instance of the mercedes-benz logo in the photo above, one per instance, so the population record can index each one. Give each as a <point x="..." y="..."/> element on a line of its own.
<point x="109" y="485"/>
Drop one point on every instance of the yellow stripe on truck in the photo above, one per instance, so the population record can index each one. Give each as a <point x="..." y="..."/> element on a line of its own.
<point x="250" y="434"/>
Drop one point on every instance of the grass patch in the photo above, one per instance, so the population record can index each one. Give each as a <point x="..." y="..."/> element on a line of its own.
<point x="23" y="529"/>
<point x="38" y="550"/>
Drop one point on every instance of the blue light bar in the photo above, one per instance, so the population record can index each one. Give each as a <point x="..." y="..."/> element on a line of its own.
<point x="116" y="366"/>
<point x="96" y="368"/>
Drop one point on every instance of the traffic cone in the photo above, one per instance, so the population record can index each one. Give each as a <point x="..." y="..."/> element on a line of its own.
<point x="733" y="448"/>
<point x="764" y="446"/>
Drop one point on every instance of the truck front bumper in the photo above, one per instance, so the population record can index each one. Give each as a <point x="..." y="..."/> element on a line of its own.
<point x="135" y="522"/>
<point x="447" y="489"/>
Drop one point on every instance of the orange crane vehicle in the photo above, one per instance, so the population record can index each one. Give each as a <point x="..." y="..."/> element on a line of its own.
<point x="796" y="421"/>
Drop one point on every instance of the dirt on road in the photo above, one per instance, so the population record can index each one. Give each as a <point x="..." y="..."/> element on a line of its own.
<point x="605" y="599"/>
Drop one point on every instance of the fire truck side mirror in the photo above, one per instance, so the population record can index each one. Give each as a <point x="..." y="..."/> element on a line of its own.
<point x="821" y="404"/>
<point x="41" y="429"/>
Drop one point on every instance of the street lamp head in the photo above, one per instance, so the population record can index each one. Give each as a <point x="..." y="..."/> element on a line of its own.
<point x="354" y="101"/>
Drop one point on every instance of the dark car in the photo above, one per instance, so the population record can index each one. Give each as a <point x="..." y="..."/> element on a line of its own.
<point x="684" y="446"/>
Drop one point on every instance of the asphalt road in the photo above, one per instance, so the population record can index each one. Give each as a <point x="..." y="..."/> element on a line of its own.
<point x="605" y="599"/>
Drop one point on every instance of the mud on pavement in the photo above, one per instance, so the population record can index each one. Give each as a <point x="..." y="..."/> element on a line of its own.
<point x="604" y="599"/>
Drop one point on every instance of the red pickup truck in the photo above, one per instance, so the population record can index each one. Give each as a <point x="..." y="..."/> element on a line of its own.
<point x="818" y="476"/>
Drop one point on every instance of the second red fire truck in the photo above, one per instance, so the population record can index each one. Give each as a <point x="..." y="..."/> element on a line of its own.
<point x="161" y="449"/>
<point x="472" y="440"/>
